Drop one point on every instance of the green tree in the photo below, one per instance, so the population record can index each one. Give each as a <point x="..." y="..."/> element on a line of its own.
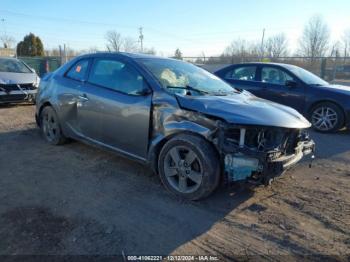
<point x="30" y="46"/>
<point x="178" y="54"/>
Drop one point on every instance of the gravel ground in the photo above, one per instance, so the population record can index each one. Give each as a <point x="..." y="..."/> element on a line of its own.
<point x="76" y="199"/>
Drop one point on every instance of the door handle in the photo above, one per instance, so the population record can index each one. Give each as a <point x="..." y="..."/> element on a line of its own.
<point x="83" y="98"/>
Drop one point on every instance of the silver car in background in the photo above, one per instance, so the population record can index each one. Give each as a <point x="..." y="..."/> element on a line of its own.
<point x="18" y="82"/>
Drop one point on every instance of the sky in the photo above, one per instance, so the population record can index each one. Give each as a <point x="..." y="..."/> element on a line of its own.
<point x="193" y="26"/>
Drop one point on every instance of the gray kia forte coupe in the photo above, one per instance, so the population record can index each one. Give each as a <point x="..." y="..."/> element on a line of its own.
<point x="192" y="128"/>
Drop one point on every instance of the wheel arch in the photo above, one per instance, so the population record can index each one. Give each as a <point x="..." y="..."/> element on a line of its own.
<point x="45" y="104"/>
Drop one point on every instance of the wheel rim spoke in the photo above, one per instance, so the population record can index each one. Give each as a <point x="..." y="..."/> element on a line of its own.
<point x="190" y="157"/>
<point x="195" y="177"/>
<point x="174" y="153"/>
<point x="182" y="184"/>
<point x="170" y="171"/>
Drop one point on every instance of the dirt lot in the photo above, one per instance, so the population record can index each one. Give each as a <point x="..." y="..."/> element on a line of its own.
<point x="76" y="199"/>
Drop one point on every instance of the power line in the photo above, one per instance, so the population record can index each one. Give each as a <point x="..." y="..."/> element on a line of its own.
<point x="68" y="20"/>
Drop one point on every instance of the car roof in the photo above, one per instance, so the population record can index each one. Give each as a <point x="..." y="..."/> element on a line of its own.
<point x="263" y="63"/>
<point x="123" y="54"/>
<point x="286" y="66"/>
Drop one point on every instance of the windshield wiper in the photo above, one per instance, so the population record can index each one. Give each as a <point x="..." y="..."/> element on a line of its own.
<point x="222" y="92"/>
<point x="190" y="88"/>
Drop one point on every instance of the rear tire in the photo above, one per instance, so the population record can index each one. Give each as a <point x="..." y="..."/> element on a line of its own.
<point x="189" y="167"/>
<point x="327" y="117"/>
<point x="50" y="127"/>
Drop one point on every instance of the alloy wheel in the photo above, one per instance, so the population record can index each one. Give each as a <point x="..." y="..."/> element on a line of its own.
<point x="183" y="169"/>
<point x="324" y="118"/>
<point x="50" y="126"/>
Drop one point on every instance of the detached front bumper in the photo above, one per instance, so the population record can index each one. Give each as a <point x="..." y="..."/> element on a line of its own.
<point x="244" y="163"/>
<point x="303" y="149"/>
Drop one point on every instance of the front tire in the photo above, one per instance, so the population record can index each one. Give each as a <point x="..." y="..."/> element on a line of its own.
<point x="327" y="117"/>
<point x="50" y="126"/>
<point x="189" y="167"/>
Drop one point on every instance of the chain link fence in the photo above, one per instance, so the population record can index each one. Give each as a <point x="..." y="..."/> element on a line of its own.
<point x="333" y="69"/>
<point x="42" y="65"/>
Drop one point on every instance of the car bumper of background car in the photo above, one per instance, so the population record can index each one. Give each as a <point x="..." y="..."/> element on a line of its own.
<point x="347" y="118"/>
<point x="18" y="96"/>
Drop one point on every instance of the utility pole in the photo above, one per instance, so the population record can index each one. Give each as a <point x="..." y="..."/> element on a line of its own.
<point x="3" y="25"/>
<point x="262" y="44"/>
<point x="141" y="38"/>
<point x="65" y="53"/>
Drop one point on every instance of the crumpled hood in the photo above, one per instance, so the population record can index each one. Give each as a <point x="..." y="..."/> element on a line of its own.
<point x="17" y="78"/>
<point x="246" y="109"/>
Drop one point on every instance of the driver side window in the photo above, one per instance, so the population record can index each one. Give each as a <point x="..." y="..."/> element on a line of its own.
<point x="116" y="75"/>
<point x="273" y="75"/>
<point x="246" y="73"/>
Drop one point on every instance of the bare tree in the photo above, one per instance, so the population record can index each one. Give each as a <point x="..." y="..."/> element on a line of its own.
<point x="315" y="38"/>
<point x="178" y="54"/>
<point x="241" y="50"/>
<point x="335" y="49"/>
<point x="93" y="49"/>
<point x="202" y="58"/>
<point x="149" y="51"/>
<point x="7" y="41"/>
<point x="52" y="52"/>
<point x="346" y="42"/>
<point x="238" y="47"/>
<point x="277" y="45"/>
<point x="114" y="41"/>
<point x="130" y="45"/>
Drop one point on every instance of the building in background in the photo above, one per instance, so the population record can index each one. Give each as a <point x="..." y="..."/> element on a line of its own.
<point x="7" y="52"/>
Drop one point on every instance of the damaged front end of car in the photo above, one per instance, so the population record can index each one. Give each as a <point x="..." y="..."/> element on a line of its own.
<point x="256" y="139"/>
<point x="259" y="154"/>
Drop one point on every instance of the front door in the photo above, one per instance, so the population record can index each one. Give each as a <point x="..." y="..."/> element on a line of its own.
<point x="274" y="81"/>
<point x="114" y="110"/>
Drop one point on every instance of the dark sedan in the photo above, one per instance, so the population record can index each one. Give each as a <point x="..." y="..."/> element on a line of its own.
<point x="326" y="106"/>
<point x="190" y="126"/>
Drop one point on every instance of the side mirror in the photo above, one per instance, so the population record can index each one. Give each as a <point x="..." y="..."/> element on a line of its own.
<point x="144" y="92"/>
<point x="291" y="83"/>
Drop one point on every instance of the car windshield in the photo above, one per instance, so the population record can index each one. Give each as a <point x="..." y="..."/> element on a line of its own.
<point x="185" y="78"/>
<point x="13" y="66"/>
<point x="306" y="76"/>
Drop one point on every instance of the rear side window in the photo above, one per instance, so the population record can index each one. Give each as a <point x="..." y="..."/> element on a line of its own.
<point x="79" y="70"/>
<point x="116" y="75"/>
<point x="246" y="73"/>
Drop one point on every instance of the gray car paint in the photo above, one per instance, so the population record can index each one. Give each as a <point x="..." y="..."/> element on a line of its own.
<point x="246" y="109"/>
<point x="138" y="126"/>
